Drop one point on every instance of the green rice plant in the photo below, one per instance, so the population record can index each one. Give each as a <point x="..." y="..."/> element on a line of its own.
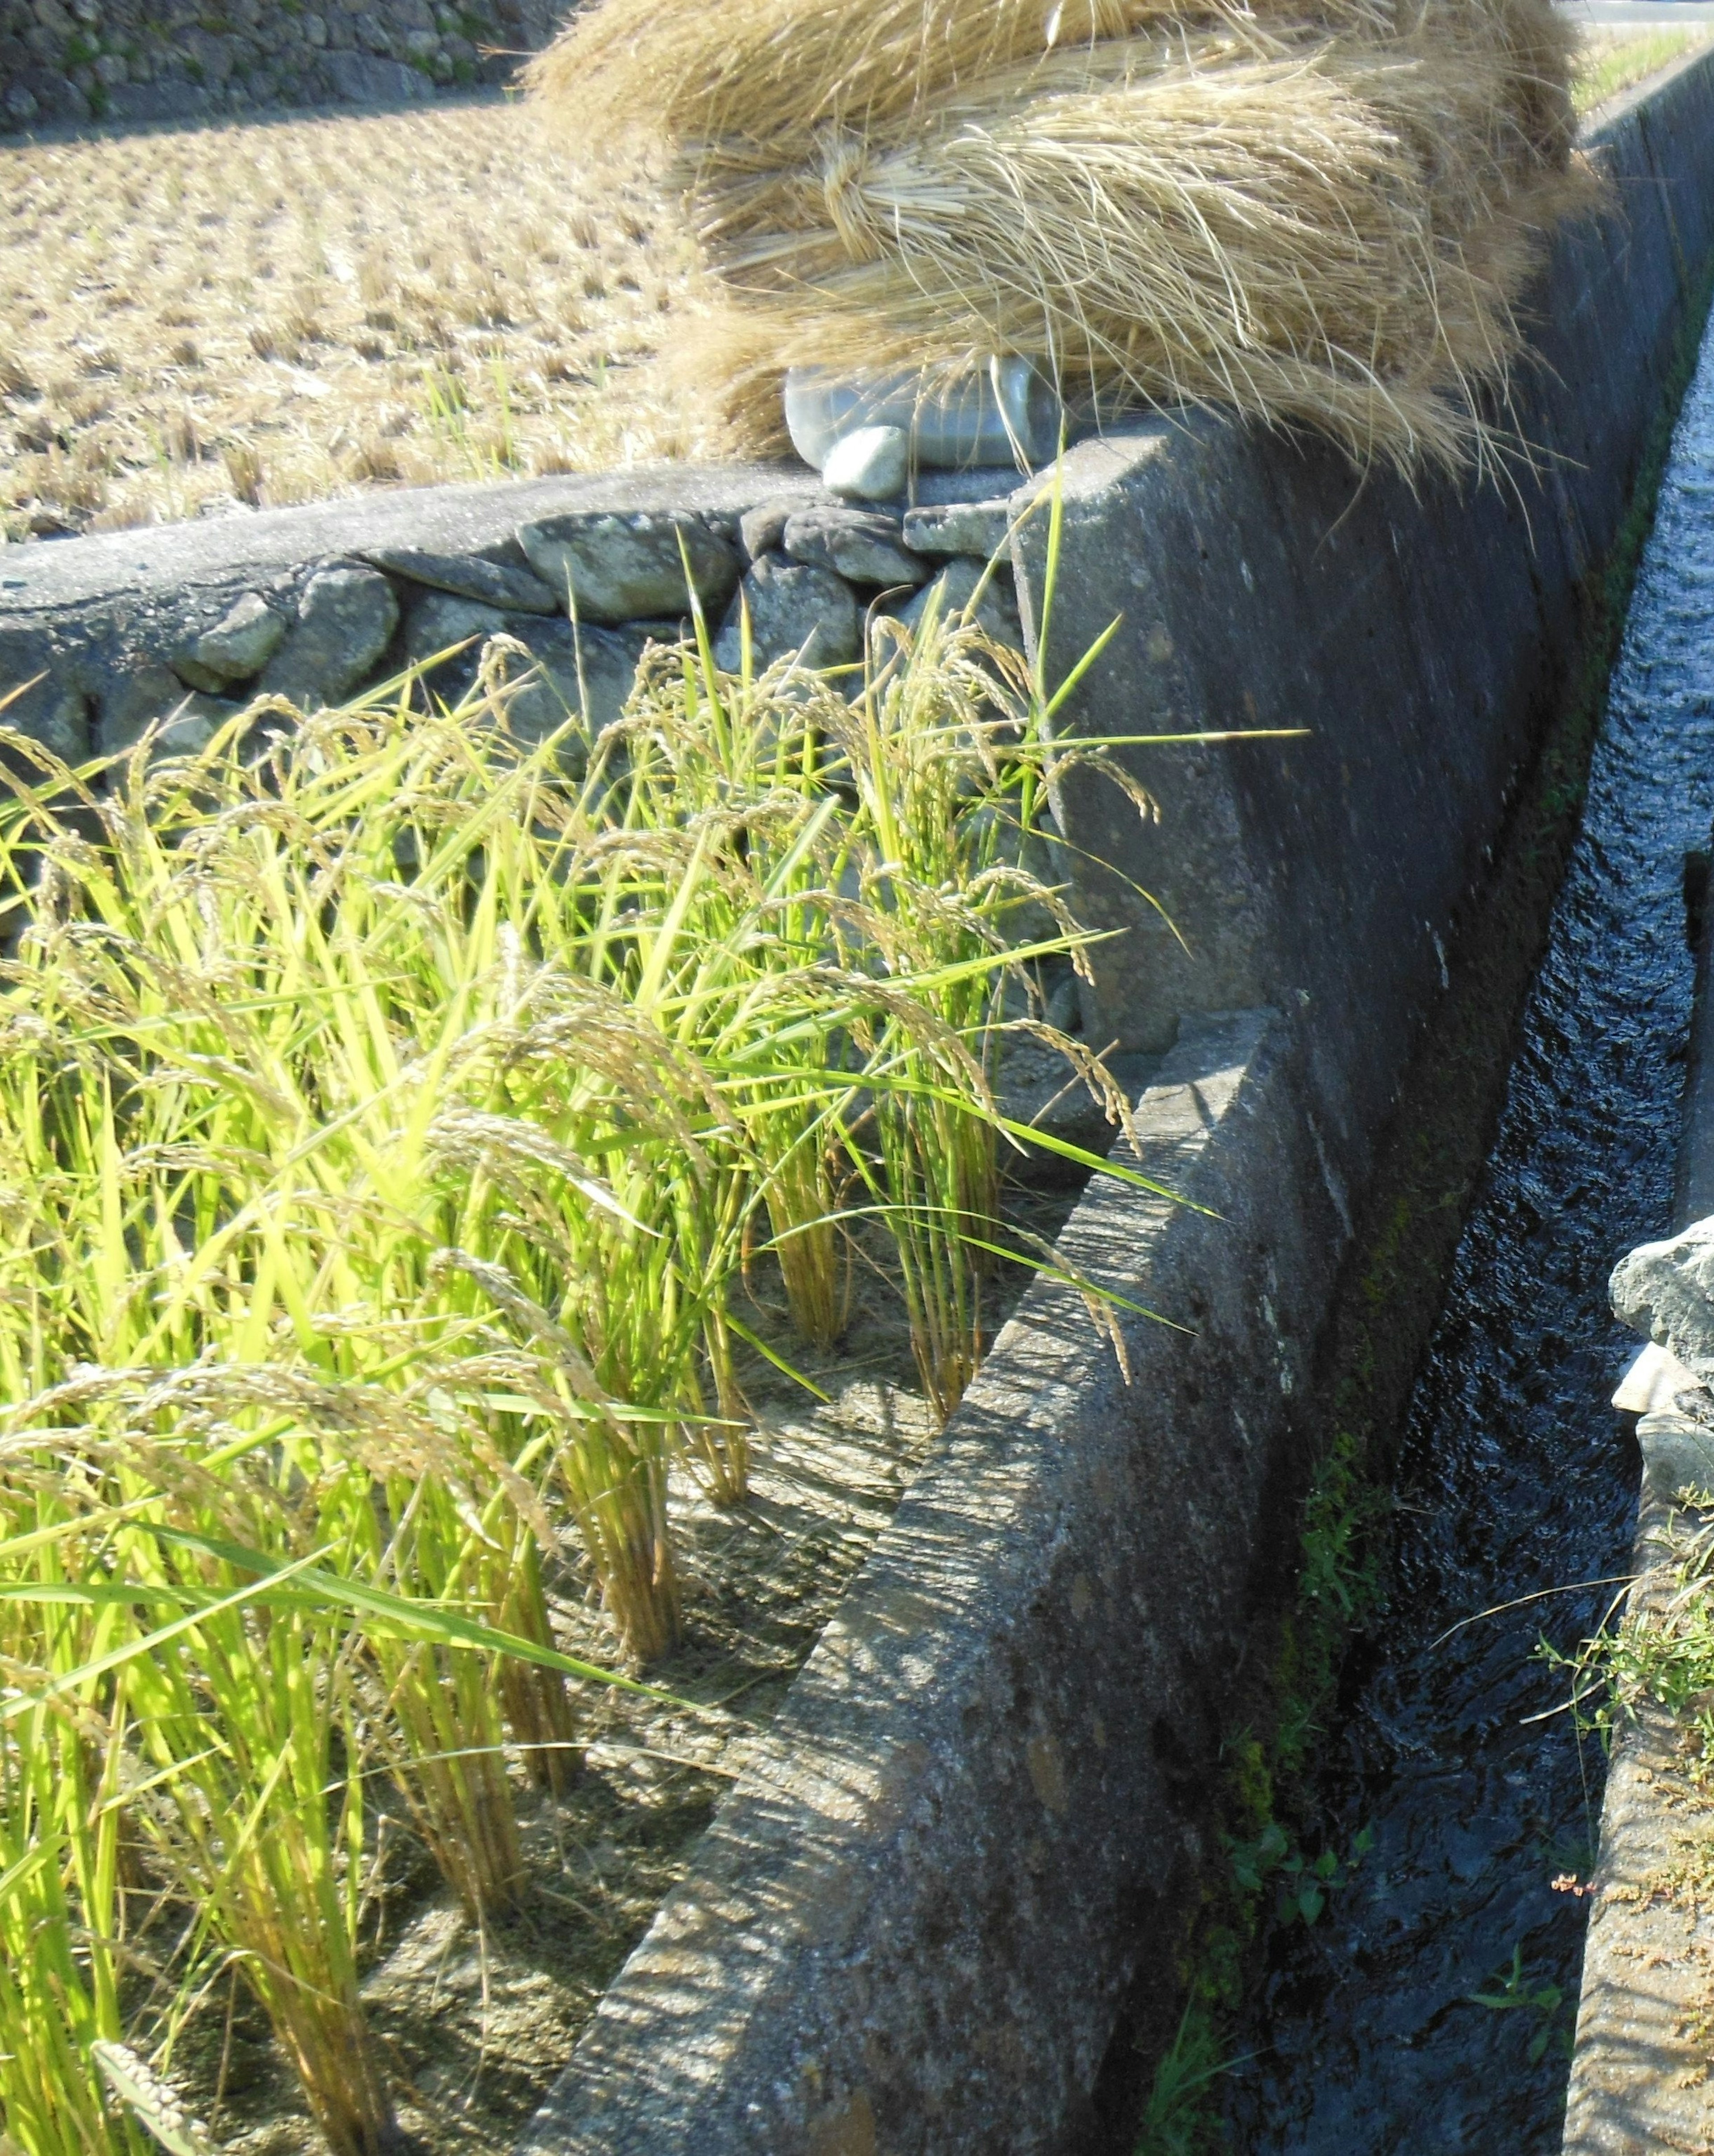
<point x="858" y="922"/>
<point x="60" y="1897"/>
<point x="242" y="1715"/>
<point x="388" y="1113"/>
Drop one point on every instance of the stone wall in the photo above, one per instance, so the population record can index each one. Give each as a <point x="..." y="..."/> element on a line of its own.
<point x="69" y="61"/>
<point x="101" y="637"/>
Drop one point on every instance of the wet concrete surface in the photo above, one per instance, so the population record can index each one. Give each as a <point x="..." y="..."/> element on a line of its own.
<point x="1515" y="1480"/>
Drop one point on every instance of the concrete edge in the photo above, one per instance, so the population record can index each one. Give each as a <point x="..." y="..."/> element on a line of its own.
<point x="1640" y="2065"/>
<point x="1642" y="2056"/>
<point x="914" y="1920"/>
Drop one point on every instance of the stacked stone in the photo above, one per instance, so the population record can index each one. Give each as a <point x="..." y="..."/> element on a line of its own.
<point x="807" y="569"/>
<point x="68" y="61"/>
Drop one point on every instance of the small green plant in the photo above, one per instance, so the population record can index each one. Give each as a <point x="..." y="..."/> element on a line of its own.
<point x="1301" y="1885"/>
<point x="1663" y="1651"/>
<point x="1512" y="1993"/>
<point x="1175" y="2121"/>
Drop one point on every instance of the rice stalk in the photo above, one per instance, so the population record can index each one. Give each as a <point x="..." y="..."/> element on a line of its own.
<point x="786" y="68"/>
<point x="61" y="1889"/>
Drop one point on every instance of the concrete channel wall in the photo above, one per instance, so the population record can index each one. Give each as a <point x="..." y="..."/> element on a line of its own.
<point x="973" y="1832"/>
<point x="967" y="1844"/>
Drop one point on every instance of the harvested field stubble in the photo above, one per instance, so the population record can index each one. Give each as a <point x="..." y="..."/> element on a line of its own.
<point x="250" y="316"/>
<point x="257" y="315"/>
<point x="1321" y="215"/>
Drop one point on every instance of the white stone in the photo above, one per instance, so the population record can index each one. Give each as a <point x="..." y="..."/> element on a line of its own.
<point x="870" y="465"/>
<point x="1653" y="1383"/>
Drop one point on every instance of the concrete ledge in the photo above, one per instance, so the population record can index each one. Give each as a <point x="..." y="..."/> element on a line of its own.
<point x="911" y="1925"/>
<point x="1639" y="2079"/>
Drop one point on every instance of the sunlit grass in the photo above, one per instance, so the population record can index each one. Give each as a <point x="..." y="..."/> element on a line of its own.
<point x="1614" y="61"/>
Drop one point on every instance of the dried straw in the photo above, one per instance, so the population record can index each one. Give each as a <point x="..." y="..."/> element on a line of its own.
<point x="1315" y="215"/>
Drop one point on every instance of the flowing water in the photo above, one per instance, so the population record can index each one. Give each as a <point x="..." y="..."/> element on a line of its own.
<point x="1514" y="1478"/>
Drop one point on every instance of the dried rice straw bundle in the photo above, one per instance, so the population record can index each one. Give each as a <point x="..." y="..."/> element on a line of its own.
<point x="1305" y="217"/>
<point x="773" y="72"/>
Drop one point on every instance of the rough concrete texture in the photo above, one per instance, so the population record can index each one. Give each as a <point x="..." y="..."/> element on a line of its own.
<point x="910" y="1926"/>
<point x="1639" y="2079"/>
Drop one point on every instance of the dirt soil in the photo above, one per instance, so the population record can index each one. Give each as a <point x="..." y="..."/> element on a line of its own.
<point x="477" y="2023"/>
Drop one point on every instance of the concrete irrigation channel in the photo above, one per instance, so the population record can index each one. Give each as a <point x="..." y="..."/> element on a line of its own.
<point x="946" y="1905"/>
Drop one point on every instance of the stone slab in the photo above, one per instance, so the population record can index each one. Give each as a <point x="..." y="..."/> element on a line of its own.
<point x="1640" y="2075"/>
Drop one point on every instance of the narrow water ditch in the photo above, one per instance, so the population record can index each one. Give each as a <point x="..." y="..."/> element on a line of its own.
<point x="1512" y="1479"/>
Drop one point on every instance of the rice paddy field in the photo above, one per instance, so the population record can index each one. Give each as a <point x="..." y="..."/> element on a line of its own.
<point x="245" y="315"/>
<point x="223" y="316"/>
<point x="487" y="1234"/>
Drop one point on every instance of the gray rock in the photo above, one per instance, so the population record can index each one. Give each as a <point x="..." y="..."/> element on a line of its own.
<point x="978" y="528"/>
<point x="134" y="696"/>
<point x="872" y="465"/>
<point x="627" y="567"/>
<point x="44" y="696"/>
<point x="558" y="688"/>
<point x="952" y="590"/>
<point x="1678" y="1453"/>
<point x="469" y="577"/>
<point x="212" y="57"/>
<point x="346" y="620"/>
<point x="1665" y="1291"/>
<point x="761" y="530"/>
<point x="366" y="78"/>
<point x="586" y="675"/>
<point x="194" y="724"/>
<point x="793" y="608"/>
<point x="174" y="98"/>
<point x="239" y="644"/>
<point x="858" y="544"/>
<point x="438" y="621"/>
